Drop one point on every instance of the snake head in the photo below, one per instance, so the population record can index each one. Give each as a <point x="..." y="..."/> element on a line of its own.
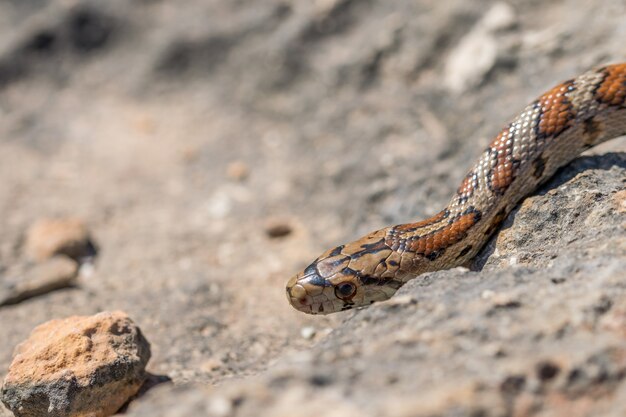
<point x="346" y="277"/>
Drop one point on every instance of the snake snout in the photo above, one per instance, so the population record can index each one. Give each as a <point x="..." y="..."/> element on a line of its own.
<point x="297" y="295"/>
<point x="306" y="293"/>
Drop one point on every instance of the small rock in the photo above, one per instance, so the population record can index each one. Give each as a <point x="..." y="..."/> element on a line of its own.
<point x="500" y="16"/>
<point x="487" y="294"/>
<point x="78" y="366"/>
<point x="49" y="237"/>
<point x="52" y="274"/>
<point x="220" y="406"/>
<point x="505" y="300"/>
<point x="478" y="52"/>
<point x="220" y="204"/>
<point x="401" y="300"/>
<point x="470" y="62"/>
<point x="308" y="332"/>
<point x="237" y="171"/>
<point x="278" y="228"/>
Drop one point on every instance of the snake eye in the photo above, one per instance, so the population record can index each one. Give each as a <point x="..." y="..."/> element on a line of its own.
<point x="345" y="290"/>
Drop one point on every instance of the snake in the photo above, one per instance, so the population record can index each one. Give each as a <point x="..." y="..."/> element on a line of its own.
<point x="547" y="134"/>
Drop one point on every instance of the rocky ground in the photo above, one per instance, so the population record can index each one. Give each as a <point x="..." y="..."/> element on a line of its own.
<point x="214" y="148"/>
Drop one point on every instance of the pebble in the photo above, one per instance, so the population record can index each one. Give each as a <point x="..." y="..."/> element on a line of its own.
<point x="61" y="236"/>
<point x="238" y="171"/>
<point x="308" y="332"/>
<point x="33" y="280"/>
<point x="401" y="300"/>
<point x="77" y="366"/>
<point x="277" y="229"/>
<point x="478" y="52"/>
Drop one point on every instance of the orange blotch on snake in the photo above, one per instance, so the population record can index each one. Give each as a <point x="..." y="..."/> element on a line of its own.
<point x="503" y="173"/>
<point x="434" y="243"/>
<point x="466" y="190"/>
<point x="557" y="114"/>
<point x="612" y="90"/>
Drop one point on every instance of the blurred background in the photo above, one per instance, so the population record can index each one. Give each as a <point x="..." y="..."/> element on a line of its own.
<point x="214" y="148"/>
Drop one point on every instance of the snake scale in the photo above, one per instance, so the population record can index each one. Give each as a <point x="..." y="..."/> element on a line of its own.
<point x="549" y="133"/>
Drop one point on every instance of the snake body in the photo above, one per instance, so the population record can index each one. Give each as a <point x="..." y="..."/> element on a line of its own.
<point x="549" y="133"/>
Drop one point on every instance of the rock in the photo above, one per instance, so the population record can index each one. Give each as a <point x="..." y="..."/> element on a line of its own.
<point x="277" y="228"/>
<point x="308" y="332"/>
<point x="238" y="171"/>
<point x="478" y="52"/>
<point x="78" y="366"/>
<point x="543" y="334"/>
<point x="500" y="16"/>
<point x="340" y="111"/>
<point x="65" y="236"/>
<point x="33" y="280"/>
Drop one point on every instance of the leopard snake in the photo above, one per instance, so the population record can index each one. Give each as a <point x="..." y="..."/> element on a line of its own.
<point x="549" y="133"/>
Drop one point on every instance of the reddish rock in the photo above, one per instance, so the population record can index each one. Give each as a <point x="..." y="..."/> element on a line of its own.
<point x="49" y="237"/>
<point x="78" y="366"/>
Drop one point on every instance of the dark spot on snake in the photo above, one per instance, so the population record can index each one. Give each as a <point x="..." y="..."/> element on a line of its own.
<point x="336" y="251"/>
<point x="369" y="248"/>
<point x="433" y="255"/>
<point x="369" y="280"/>
<point x="318" y="281"/>
<point x="477" y="214"/>
<point x="393" y="263"/>
<point x="311" y="269"/>
<point x="321" y="308"/>
<point x="592" y="131"/>
<point x="539" y="166"/>
<point x="464" y="251"/>
<point x="497" y="220"/>
<point x="470" y="210"/>
<point x="603" y="71"/>
<point x="340" y="261"/>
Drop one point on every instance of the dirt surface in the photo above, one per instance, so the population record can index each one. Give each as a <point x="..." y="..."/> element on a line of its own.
<point x="215" y="148"/>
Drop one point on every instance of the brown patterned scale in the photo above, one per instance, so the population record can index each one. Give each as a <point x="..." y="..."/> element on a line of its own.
<point x="551" y="131"/>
